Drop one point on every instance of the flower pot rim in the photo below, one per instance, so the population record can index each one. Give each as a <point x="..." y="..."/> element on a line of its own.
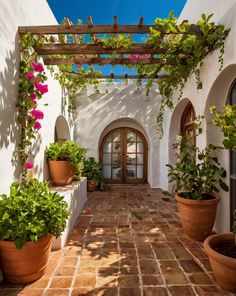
<point x="195" y="202"/>
<point x="229" y="261"/>
<point x="11" y="243"/>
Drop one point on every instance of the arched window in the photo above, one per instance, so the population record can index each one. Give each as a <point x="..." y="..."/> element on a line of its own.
<point x="123" y="154"/>
<point x="187" y="123"/>
<point x="232" y="101"/>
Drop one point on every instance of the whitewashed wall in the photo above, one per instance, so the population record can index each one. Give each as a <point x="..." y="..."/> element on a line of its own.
<point x="125" y="105"/>
<point x="13" y="14"/>
<point x="215" y="90"/>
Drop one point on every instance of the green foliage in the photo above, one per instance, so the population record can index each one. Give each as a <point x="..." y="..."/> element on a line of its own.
<point x="93" y="171"/>
<point x="226" y="120"/>
<point x="115" y="41"/>
<point x="196" y="172"/>
<point x="30" y="212"/>
<point x="68" y="151"/>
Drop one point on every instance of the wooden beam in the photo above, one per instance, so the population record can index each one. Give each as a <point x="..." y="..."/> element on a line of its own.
<point x="105" y="61"/>
<point x="115" y="22"/>
<point x="89" y="21"/>
<point x="97" y="29"/>
<point x="125" y="76"/>
<point x="140" y="23"/>
<point x="136" y="48"/>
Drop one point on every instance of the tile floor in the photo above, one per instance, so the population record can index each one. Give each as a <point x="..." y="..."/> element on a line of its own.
<point x="127" y="242"/>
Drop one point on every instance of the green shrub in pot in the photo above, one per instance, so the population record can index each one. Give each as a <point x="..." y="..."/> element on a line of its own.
<point x="93" y="171"/>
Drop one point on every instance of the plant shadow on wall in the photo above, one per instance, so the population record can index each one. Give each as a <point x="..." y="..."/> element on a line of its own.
<point x="8" y="93"/>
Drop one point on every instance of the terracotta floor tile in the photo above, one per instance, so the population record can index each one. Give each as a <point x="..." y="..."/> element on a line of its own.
<point x="10" y="292"/>
<point x="65" y="271"/>
<point x="105" y="291"/>
<point x="128" y="281"/>
<point x="190" y="266"/>
<point x="163" y="253"/>
<point x="87" y="270"/>
<point x="129" y="270"/>
<point x="61" y="282"/>
<point x="175" y="279"/>
<point x="39" y="284"/>
<point x="85" y="280"/>
<point x="170" y="266"/>
<point x="30" y="292"/>
<point x="207" y="291"/>
<point x="151" y="280"/>
<point x="109" y="281"/>
<point x="57" y="292"/>
<point x="82" y="291"/>
<point x="155" y="291"/>
<point x="69" y="261"/>
<point x="181" y="290"/>
<point x="130" y="292"/>
<point x="200" y="279"/>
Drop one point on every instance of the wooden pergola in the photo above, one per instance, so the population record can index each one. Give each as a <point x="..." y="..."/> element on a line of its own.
<point x="82" y="53"/>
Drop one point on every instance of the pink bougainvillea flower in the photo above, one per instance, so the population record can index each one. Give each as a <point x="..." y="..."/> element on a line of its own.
<point x="28" y="165"/>
<point x="79" y="66"/>
<point x="29" y="75"/>
<point x="37" y="114"/>
<point x="146" y="56"/>
<point x="134" y="58"/>
<point x="37" y="125"/>
<point x="95" y="40"/>
<point x="41" y="88"/>
<point x="33" y="96"/>
<point x="38" y="67"/>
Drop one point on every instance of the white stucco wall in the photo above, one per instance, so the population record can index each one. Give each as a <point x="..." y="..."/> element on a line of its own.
<point x="13" y="14"/>
<point x="215" y="90"/>
<point x="125" y="105"/>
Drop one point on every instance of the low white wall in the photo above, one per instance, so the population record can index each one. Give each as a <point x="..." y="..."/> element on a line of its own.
<point x="76" y="196"/>
<point x="124" y="105"/>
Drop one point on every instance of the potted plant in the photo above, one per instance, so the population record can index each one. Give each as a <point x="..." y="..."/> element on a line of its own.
<point x="221" y="247"/>
<point x="65" y="162"/>
<point x="93" y="172"/>
<point x="198" y="176"/>
<point x="29" y="216"/>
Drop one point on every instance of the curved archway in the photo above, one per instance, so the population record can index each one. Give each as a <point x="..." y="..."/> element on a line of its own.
<point x="62" y="131"/>
<point x="123" y="154"/>
<point x="187" y="123"/>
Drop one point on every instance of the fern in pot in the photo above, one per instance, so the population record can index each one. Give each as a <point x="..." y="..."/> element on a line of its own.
<point x="221" y="247"/>
<point x="65" y="160"/>
<point x="198" y="176"/>
<point x="29" y="216"/>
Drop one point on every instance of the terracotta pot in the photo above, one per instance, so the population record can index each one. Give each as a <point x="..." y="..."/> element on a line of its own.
<point x="26" y="264"/>
<point x="91" y="185"/>
<point x="197" y="216"/>
<point x="62" y="172"/>
<point x="224" y="268"/>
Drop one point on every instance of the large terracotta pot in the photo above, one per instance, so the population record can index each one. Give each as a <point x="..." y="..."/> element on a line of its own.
<point x="197" y="216"/>
<point x="62" y="172"/>
<point x="26" y="264"/>
<point x="91" y="185"/>
<point x="224" y="268"/>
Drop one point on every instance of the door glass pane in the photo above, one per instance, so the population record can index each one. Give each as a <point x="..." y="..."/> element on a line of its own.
<point x="131" y="172"/>
<point x="139" y="171"/>
<point x="107" y="171"/>
<point x="116" y="172"/>
<point x="140" y="158"/>
<point x="116" y="159"/>
<point x="131" y="159"/>
<point x="106" y="158"/>
<point x="108" y="139"/>
<point x="139" y="139"/>
<point x="116" y="147"/>
<point x="107" y="147"/>
<point x="131" y="147"/>
<point x="131" y="137"/>
<point x="116" y="137"/>
<point x="140" y="147"/>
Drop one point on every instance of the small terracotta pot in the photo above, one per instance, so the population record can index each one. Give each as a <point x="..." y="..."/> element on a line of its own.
<point x="91" y="185"/>
<point x="62" y="172"/>
<point x="224" y="268"/>
<point x="197" y="216"/>
<point x="26" y="264"/>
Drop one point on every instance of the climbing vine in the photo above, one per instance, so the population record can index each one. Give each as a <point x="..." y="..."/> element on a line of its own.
<point x="188" y="51"/>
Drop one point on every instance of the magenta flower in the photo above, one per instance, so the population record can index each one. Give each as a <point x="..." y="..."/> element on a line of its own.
<point x="41" y="88"/>
<point x="28" y="165"/>
<point x="37" y="114"/>
<point x="79" y="66"/>
<point x="95" y="40"/>
<point x="33" y="96"/>
<point x="37" y="125"/>
<point x="38" y="67"/>
<point x="146" y="56"/>
<point x="134" y="58"/>
<point x="29" y="75"/>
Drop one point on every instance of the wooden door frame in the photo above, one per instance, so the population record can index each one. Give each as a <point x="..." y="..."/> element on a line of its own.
<point x="123" y="133"/>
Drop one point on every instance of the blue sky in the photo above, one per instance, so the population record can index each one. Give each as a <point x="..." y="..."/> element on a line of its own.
<point x="102" y="12"/>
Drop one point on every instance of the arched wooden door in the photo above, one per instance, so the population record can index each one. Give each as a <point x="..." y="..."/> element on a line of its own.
<point x="123" y="155"/>
<point x="187" y="123"/>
